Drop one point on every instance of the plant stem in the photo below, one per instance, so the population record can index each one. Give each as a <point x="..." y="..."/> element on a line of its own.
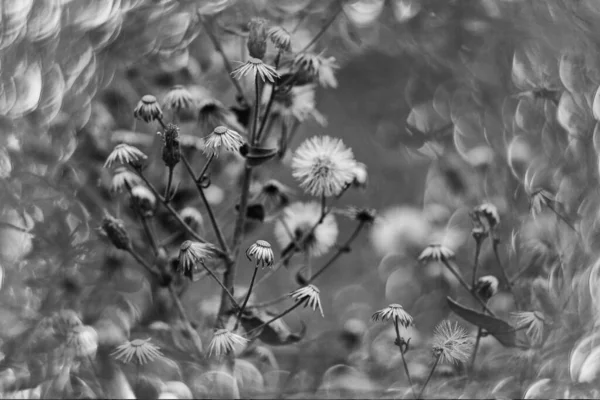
<point x="205" y="168"/>
<point x="167" y="195"/>
<point x="323" y="29"/>
<point x="225" y="290"/>
<point x="186" y="321"/>
<point x="495" y="243"/>
<point x="143" y="263"/>
<point x="562" y="217"/>
<point x="270" y="103"/>
<point x="466" y="286"/>
<point x="239" y="317"/>
<point x="437" y="360"/>
<point x="477" y="340"/>
<point x="410" y="382"/>
<point x="478" y="243"/>
<point x="255" y="134"/>
<point x="275" y="318"/>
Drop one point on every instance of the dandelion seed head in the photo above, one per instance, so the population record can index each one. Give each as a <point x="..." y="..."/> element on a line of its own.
<point x="451" y="343"/>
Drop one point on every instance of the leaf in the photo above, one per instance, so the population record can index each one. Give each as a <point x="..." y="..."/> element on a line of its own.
<point x="500" y="329"/>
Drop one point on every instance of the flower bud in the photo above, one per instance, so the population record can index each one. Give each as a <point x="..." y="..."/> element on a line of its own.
<point x="171" y="152"/>
<point x="143" y="199"/>
<point x="486" y="287"/>
<point x="115" y="230"/>
<point x="257" y="41"/>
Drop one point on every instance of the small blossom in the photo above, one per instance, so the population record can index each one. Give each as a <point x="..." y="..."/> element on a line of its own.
<point x="144" y="199"/>
<point x="83" y="341"/>
<point x="124" y="154"/>
<point x="318" y="66"/>
<point x="534" y="323"/>
<point x="360" y="175"/>
<point x="171" y="151"/>
<point x="222" y="137"/>
<point x="486" y="287"/>
<point x="488" y="214"/>
<point x="191" y="254"/>
<point x="257" y="39"/>
<point x="115" y="230"/>
<point x="451" y="343"/>
<point x="224" y="342"/>
<point x="310" y="295"/>
<point x="178" y="98"/>
<point x="280" y="38"/>
<point x="262" y="252"/>
<point x="148" y="109"/>
<point x="394" y="312"/>
<point x="255" y="66"/>
<point x="139" y="350"/>
<point x="192" y="217"/>
<point x="366" y="215"/>
<point x="436" y="252"/>
<point x="323" y="165"/>
<point x="122" y="178"/>
<point x="298" y="220"/>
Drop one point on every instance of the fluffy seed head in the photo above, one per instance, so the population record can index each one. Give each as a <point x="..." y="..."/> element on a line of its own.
<point x="123" y="177"/>
<point x="451" y="343"/>
<point x="486" y="287"/>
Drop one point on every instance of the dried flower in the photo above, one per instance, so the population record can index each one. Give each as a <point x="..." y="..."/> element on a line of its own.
<point x="257" y="39"/>
<point x="298" y="220"/>
<point x="124" y="154"/>
<point x="144" y="199"/>
<point x="436" y="252"/>
<point x="255" y="66"/>
<point x="318" y="66"/>
<point x="142" y="350"/>
<point x="83" y="341"/>
<point x="533" y="322"/>
<point x="488" y="215"/>
<point x="115" y="230"/>
<point x="262" y="252"/>
<point x="273" y="194"/>
<point x="451" y="343"/>
<point x="310" y="296"/>
<point x="396" y="313"/>
<point x="191" y="254"/>
<point x="123" y="177"/>
<point x="324" y="165"/>
<point x="280" y="38"/>
<point x="148" y="109"/>
<point x="222" y="137"/>
<point x="171" y="152"/>
<point x="192" y="217"/>
<point x="366" y="215"/>
<point x="178" y="98"/>
<point x="486" y="287"/>
<point x="224" y="342"/>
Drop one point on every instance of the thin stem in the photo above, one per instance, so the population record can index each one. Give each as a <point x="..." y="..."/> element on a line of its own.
<point x="562" y="217"/>
<point x="323" y="29"/>
<point x="478" y="243"/>
<point x="138" y="211"/>
<point x="143" y="262"/>
<point x="225" y="290"/>
<point x="475" y="348"/>
<point x="205" y="168"/>
<point x="167" y="195"/>
<point x="275" y="318"/>
<point x="239" y="317"/>
<point x="186" y="321"/>
<point x="410" y="382"/>
<point x="437" y="360"/>
<point x="255" y="133"/>
<point x="466" y="286"/>
<point x="495" y="243"/>
<point x="341" y="250"/>
<point x="270" y="103"/>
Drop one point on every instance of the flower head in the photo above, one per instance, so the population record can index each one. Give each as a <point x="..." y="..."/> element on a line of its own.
<point x="436" y="252"/>
<point x="171" y="152"/>
<point x="365" y="215"/>
<point x="280" y="38"/>
<point x="297" y="103"/>
<point x="83" y="341"/>
<point x="224" y="342"/>
<point x="212" y="113"/>
<point x="451" y="343"/>
<point x="262" y="253"/>
<point x="144" y="199"/>
<point x="191" y="254"/>
<point x="324" y="166"/>
<point x="222" y="137"/>
<point x="486" y="287"/>
<point x="318" y="66"/>
<point x="488" y="215"/>
<point x="534" y="323"/>
<point x="257" y="39"/>
<point x="115" y="230"/>
<point x="255" y="66"/>
<point x="123" y="177"/>
<point x="148" y="109"/>
<point x="178" y="98"/>
<point x="192" y="217"/>
<point x="124" y="154"/>
<point x="139" y="350"/>
<point x="310" y="295"/>
<point x="396" y="313"/>
<point x="273" y="193"/>
<point x="298" y="220"/>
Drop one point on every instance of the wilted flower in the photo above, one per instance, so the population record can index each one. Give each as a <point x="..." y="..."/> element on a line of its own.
<point x="396" y="313"/>
<point x="366" y="215"/>
<point x="297" y="221"/>
<point x="192" y="217"/>
<point x="212" y="113"/>
<point x="280" y="38"/>
<point x="178" y="98"/>
<point x="123" y="177"/>
<point x="310" y="296"/>
<point x="436" y="252"/>
<point x="142" y="351"/>
<point x="486" y="287"/>
<point x="144" y="199"/>
<point x="318" y="66"/>
<point x="533" y="322"/>
<point x="83" y="341"/>
<point x="488" y="214"/>
<point x="148" y="109"/>
<point x="273" y="193"/>
<point x="255" y="66"/>
<point x="451" y="343"/>
<point x="124" y="154"/>
<point x="257" y="39"/>
<point x="171" y="152"/>
<point x="324" y="165"/>
<point x="115" y="230"/>
<point x="297" y="103"/>
<point x="224" y="342"/>
<point x="191" y="254"/>
<point x="262" y="252"/>
<point x="222" y="137"/>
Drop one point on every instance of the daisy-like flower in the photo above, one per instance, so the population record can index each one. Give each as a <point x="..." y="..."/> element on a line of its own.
<point x="310" y="296"/>
<point x="297" y="103"/>
<point x="262" y="253"/>
<point x="394" y="312"/>
<point x="318" y="66"/>
<point x="280" y="38"/>
<point x="139" y="350"/>
<point x="255" y="66"/>
<point x="224" y="341"/>
<point x="488" y="214"/>
<point x="124" y="154"/>
<point x="451" y="343"/>
<point x="123" y="177"/>
<point x="192" y="217"/>
<point x="178" y="98"/>
<point x="222" y="137"/>
<point x="436" y="252"/>
<point x="148" y="109"/>
<point x="83" y="341"/>
<point x="534" y="323"/>
<point x="486" y="287"/>
<point x="323" y="165"/>
<point x="297" y="221"/>
<point x="191" y="254"/>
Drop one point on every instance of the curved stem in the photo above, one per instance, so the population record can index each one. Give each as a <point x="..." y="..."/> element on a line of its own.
<point x="466" y="286"/>
<point x="225" y="290"/>
<point x="275" y="318"/>
<point x="324" y="28"/>
<point x="239" y="317"/>
<point x="167" y="195"/>
<point x="410" y="382"/>
<point x="478" y="243"/>
<point x="437" y="360"/>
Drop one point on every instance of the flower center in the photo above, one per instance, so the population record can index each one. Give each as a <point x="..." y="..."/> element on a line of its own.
<point x="322" y="167"/>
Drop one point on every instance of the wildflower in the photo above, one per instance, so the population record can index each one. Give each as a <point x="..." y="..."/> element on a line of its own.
<point x="256" y="66"/>
<point x="224" y="342"/>
<point x="280" y="38"/>
<point x="451" y="343"/>
<point x="123" y="177"/>
<point x="396" y="313"/>
<point x="144" y="199"/>
<point x="533" y="321"/>
<point x="297" y="222"/>
<point x="171" y="152"/>
<point x="178" y="98"/>
<point x="212" y="113"/>
<point x="324" y="165"/>
<point x="115" y="230"/>
<point x="490" y="215"/>
<point x="192" y="217"/>
<point x="222" y="137"/>
<point x="310" y="296"/>
<point x="257" y="39"/>
<point x="262" y="252"/>
<point x="486" y="287"/>
<point x="436" y="252"/>
<point x="83" y="341"/>
<point x="124" y="154"/>
<point x="142" y="350"/>
<point x="190" y="255"/>
<point x="148" y="109"/>
<point x="297" y="103"/>
<point x="317" y="66"/>
<point x="366" y="215"/>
